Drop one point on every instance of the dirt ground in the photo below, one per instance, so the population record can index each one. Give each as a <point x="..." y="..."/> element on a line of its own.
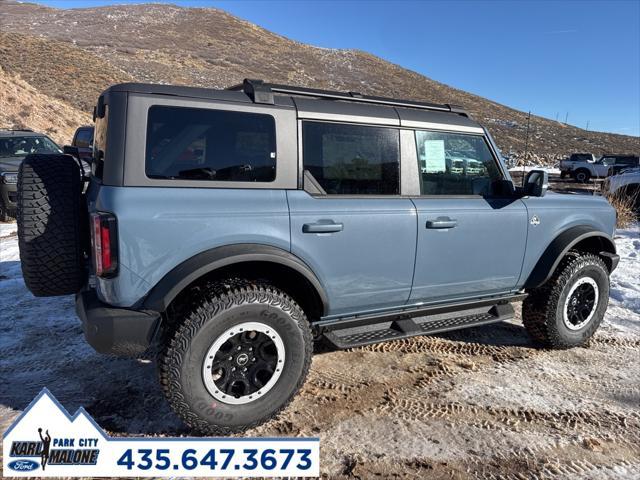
<point x="478" y="403"/>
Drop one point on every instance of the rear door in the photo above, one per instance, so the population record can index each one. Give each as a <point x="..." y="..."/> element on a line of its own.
<point x="350" y="224"/>
<point x="471" y="242"/>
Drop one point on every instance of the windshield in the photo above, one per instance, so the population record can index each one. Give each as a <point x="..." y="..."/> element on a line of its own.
<point x="22" y="146"/>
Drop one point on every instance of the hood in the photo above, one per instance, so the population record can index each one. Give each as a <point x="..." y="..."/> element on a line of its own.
<point x="10" y="164"/>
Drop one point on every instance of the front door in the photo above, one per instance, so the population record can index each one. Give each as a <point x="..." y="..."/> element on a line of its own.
<point x="470" y="243"/>
<point x="352" y="227"/>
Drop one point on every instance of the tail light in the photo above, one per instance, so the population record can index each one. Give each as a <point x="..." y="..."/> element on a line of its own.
<point x="104" y="243"/>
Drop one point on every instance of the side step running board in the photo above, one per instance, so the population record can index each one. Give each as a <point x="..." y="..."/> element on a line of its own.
<point x="411" y="327"/>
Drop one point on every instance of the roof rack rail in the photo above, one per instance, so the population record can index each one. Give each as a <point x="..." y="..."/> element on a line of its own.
<point x="261" y="92"/>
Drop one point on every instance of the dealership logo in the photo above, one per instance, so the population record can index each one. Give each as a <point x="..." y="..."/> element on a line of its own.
<point x="47" y="440"/>
<point x="64" y="451"/>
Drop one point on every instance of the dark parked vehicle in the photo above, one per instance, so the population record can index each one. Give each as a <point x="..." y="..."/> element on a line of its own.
<point x="226" y="229"/>
<point x="618" y="163"/>
<point x="83" y="141"/>
<point x="15" y="145"/>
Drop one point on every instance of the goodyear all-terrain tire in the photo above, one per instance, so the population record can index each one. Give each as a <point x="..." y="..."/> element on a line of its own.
<point x="50" y="225"/>
<point x="236" y="358"/>
<point x="567" y="310"/>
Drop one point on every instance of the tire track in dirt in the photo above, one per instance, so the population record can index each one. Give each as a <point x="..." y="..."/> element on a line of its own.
<point x="553" y="463"/>
<point x="435" y="345"/>
<point x="623" y="428"/>
<point x="615" y="342"/>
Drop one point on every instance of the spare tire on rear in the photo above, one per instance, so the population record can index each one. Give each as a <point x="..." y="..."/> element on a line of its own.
<point x="51" y="217"/>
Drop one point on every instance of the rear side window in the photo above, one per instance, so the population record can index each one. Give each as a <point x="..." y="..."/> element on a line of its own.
<point x="214" y="145"/>
<point x="455" y="164"/>
<point x="352" y="159"/>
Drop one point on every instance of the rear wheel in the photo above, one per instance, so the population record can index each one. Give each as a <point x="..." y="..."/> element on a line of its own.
<point x="582" y="175"/>
<point x="236" y="359"/>
<point x="567" y="310"/>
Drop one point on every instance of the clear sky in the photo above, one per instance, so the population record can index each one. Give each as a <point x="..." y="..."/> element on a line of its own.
<point x="553" y="58"/>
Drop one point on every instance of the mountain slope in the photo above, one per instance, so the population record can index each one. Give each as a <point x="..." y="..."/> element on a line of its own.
<point x="208" y="47"/>
<point x="23" y="106"/>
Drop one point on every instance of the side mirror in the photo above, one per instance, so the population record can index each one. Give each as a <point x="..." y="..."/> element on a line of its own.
<point x="536" y="183"/>
<point x="69" y="150"/>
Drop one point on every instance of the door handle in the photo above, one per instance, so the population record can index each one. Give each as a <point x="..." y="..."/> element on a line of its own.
<point x="442" y="222"/>
<point x="322" y="227"/>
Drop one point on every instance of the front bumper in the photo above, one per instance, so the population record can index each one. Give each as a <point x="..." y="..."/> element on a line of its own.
<point x="115" y="331"/>
<point x="9" y="195"/>
<point x="611" y="259"/>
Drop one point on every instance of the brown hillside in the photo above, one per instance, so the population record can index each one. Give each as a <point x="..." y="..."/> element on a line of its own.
<point x="23" y="106"/>
<point x="208" y="47"/>
<point x="58" y="69"/>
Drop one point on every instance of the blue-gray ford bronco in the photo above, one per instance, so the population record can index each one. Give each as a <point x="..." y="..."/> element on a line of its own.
<point x="226" y="231"/>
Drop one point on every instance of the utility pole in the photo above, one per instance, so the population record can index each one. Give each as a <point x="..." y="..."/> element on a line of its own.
<point x="587" y="129"/>
<point x="566" y="118"/>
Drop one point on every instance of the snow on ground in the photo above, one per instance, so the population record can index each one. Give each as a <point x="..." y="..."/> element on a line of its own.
<point x="476" y="403"/>
<point x="624" y="306"/>
<point x="550" y="170"/>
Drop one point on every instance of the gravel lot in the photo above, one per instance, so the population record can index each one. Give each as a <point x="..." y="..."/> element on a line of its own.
<point x="479" y="403"/>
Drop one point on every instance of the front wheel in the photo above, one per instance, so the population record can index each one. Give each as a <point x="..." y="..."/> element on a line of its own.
<point x="567" y="310"/>
<point x="236" y="359"/>
<point x="582" y="175"/>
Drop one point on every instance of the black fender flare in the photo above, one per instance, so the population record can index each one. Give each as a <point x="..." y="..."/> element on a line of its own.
<point x="560" y="246"/>
<point x="205" y="262"/>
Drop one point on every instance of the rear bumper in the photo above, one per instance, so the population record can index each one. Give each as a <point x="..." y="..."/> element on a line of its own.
<point x="115" y="331"/>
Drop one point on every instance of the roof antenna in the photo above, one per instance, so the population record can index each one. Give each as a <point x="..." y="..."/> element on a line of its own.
<point x="526" y="148"/>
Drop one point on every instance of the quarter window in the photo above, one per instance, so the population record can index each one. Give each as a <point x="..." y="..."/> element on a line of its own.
<point x="455" y="164"/>
<point x="215" y="145"/>
<point x="352" y="159"/>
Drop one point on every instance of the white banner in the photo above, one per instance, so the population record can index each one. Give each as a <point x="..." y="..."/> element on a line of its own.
<point x="45" y="441"/>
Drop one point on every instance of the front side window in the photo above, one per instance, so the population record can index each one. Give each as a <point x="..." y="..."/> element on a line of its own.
<point x="352" y="159"/>
<point x="455" y="164"/>
<point x="215" y="145"/>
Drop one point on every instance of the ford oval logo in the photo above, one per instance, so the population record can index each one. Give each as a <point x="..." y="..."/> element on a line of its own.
<point x="23" y="465"/>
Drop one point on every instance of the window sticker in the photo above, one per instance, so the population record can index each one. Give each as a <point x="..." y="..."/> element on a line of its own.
<point x="433" y="160"/>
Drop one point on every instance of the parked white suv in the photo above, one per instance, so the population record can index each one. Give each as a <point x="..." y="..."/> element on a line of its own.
<point x="583" y="171"/>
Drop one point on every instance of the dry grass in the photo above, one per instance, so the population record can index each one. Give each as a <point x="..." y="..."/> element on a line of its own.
<point x="23" y="106"/>
<point x="625" y="202"/>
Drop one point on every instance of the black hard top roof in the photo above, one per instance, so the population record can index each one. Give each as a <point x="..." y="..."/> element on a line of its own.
<point x="259" y="92"/>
